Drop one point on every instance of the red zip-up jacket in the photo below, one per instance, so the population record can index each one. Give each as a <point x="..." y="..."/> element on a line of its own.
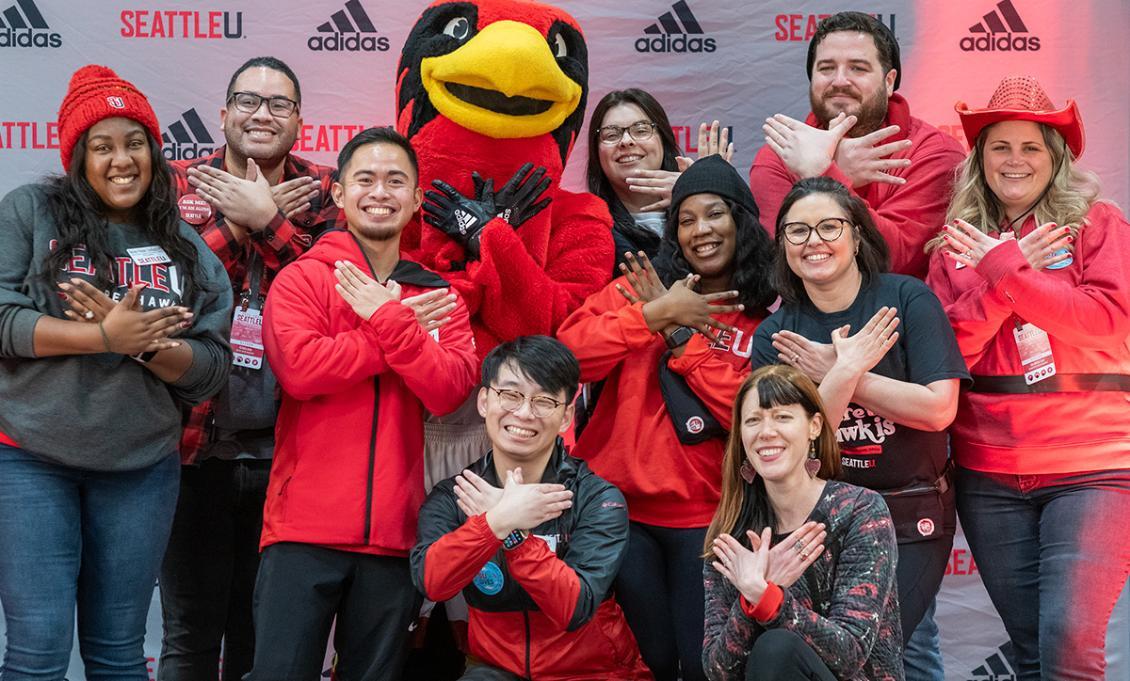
<point x="907" y="215"/>
<point x="1085" y="309"/>
<point x="349" y="442"/>
<point x="540" y="611"/>
<point x="630" y="440"/>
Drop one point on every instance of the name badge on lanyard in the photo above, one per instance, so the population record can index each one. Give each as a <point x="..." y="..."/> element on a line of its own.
<point x="1035" y="352"/>
<point x="247" y="338"/>
<point x="148" y="255"/>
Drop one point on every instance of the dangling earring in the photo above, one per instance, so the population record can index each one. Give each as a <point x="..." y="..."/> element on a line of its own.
<point x="812" y="465"/>
<point x="747" y="472"/>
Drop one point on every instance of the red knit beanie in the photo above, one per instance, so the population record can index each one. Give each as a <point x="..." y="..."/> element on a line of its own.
<point x="96" y="93"/>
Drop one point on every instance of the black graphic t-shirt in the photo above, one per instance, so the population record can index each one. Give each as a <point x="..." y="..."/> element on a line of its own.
<point x="888" y="457"/>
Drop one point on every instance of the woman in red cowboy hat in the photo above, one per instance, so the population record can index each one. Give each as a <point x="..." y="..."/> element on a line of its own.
<point x="1032" y="270"/>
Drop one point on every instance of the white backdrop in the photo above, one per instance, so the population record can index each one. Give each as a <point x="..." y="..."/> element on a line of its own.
<point x="750" y="65"/>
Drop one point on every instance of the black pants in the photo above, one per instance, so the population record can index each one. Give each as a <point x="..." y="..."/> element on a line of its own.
<point x="921" y="566"/>
<point x="484" y="672"/>
<point x="208" y="574"/>
<point x="781" y="655"/>
<point x="660" y="589"/>
<point x="301" y="588"/>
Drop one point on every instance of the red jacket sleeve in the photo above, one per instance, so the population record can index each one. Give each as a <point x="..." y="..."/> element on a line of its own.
<point x="514" y="295"/>
<point x="440" y="370"/>
<point x="975" y="310"/>
<point x="550" y="582"/>
<point x="308" y="358"/>
<point x="605" y="330"/>
<point x="1093" y="313"/>
<point x="447" y="558"/>
<point x="713" y="376"/>
<point x="770" y="181"/>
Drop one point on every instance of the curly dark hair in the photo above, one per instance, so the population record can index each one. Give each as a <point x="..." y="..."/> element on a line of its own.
<point x="79" y="218"/>
<point x="753" y="258"/>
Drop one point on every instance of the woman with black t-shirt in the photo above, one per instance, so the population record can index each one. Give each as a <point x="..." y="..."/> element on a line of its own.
<point x="892" y="416"/>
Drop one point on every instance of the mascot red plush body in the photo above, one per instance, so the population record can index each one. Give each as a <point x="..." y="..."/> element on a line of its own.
<point x="487" y="86"/>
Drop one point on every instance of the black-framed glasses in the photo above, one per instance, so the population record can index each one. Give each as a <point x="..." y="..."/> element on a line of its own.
<point x="828" y="229"/>
<point x="512" y="400"/>
<point x="249" y="102"/>
<point x="640" y="131"/>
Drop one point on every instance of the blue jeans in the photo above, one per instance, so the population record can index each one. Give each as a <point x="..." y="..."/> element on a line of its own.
<point x="1054" y="554"/>
<point x="79" y="538"/>
<point x="922" y="655"/>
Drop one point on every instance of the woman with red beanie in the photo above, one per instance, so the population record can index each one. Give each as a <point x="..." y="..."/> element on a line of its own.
<point x="113" y="313"/>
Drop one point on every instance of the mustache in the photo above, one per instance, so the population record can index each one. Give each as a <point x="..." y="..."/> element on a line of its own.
<point x="848" y="92"/>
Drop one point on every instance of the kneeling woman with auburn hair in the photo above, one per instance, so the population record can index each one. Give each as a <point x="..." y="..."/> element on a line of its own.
<point x="800" y="571"/>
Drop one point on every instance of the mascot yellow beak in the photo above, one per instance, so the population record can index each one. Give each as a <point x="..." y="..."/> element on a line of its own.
<point x="504" y="83"/>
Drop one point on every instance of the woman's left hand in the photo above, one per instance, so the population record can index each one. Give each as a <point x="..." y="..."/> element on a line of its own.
<point x="814" y="359"/>
<point x="745" y="569"/>
<point x="966" y="244"/>
<point x="87" y="303"/>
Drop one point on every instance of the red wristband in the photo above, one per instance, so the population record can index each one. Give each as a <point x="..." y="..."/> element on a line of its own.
<point x="767" y="607"/>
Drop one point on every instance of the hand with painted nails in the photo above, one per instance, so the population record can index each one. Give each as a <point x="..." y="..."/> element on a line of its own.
<point x="129" y="330"/>
<point x="966" y="244"/>
<point x="1046" y="246"/>
<point x="682" y="305"/>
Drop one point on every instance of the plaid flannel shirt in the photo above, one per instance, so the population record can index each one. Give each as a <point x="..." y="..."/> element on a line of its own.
<point x="279" y="243"/>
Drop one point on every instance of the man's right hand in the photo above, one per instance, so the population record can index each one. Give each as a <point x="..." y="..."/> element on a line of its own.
<point x="805" y="150"/>
<point x="524" y="507"/>
<point x="864" y="160"/>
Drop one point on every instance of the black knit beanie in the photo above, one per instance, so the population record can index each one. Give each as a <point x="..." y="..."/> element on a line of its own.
<point x="712" y="175"/>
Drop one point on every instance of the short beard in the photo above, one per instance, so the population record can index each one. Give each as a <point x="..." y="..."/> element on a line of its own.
<point x="377" y="234"/>
<point x="872" y="113"/>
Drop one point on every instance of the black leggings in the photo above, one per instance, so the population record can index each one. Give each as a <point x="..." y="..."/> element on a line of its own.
<point x="660" y="590"/>
<point x="920" y="569"/>
<point x="781" y="655"/>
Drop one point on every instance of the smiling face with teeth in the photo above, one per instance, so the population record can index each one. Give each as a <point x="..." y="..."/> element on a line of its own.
<point x="261" y="135"/>
<point x="1016" y="163"/>
<point x="519" y="438"/>
<point x="776" y="438"/>
<point x="708" y="239"/>
<point x="819" y="263"/>
<point x="377" y="190"/>
<point x="118" y="164"/>
<point x="627" y="157"/>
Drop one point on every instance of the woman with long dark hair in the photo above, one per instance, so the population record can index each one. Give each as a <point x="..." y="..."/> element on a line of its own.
<point x="672" y="350"/>
<point x="1032" y="270"/>
<point x="90" y="402"/>
<point x="633" y="162"/>
<point x="800" y="571"/>
<point x="890" y="417"/>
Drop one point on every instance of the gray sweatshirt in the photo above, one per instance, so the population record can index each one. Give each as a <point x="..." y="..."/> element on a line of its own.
<point x="101" y="412"/>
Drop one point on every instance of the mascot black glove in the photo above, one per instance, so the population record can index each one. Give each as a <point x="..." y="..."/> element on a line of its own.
<point x="457" y="216"/>
<point x="517" y="200"/>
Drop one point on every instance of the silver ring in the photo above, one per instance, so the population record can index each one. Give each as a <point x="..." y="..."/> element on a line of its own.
<point x="89" y="314"/>
<point x="969" y="253"/>
<point x="799" y="546"/>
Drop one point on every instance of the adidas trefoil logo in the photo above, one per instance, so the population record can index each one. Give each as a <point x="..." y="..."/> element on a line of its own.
<point x="1001" y="30"/>
<point x="23" y="25"/>
<point x="186" y="143"/>
<point x="667" y="35"/>
<point x="339" y="34"/>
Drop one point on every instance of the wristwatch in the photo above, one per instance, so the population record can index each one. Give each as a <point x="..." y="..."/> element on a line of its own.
<point x="678" y="337"/>
<point x="514" y="539"/>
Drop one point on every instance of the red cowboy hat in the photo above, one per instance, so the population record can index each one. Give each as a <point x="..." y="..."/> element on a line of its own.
<point x="1020" y="98"/>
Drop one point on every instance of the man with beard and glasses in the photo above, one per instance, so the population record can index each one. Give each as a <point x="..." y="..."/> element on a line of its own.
<point x="257" y="207"/>
<point x="861" y="133"/>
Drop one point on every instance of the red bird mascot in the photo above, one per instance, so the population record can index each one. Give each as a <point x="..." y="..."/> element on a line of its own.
<point x="497" y="88"/>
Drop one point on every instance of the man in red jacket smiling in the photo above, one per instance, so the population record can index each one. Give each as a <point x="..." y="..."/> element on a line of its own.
<point x="861" y="133"/>
<point x="357" y="371"/>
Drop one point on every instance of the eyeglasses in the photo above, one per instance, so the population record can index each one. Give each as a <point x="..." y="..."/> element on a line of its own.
<point x="512" y="400"/>
<point x="249" y="102"/>
<point x="828" y="229"/>
<point x="640" y="131"/>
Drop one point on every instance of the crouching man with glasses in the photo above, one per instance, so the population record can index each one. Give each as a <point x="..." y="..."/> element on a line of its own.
<point x="529" y="534"/>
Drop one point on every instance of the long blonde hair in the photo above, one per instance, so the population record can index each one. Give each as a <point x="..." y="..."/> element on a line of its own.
<point x="1066" y="201"/>
<point x="745" y="505"/>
